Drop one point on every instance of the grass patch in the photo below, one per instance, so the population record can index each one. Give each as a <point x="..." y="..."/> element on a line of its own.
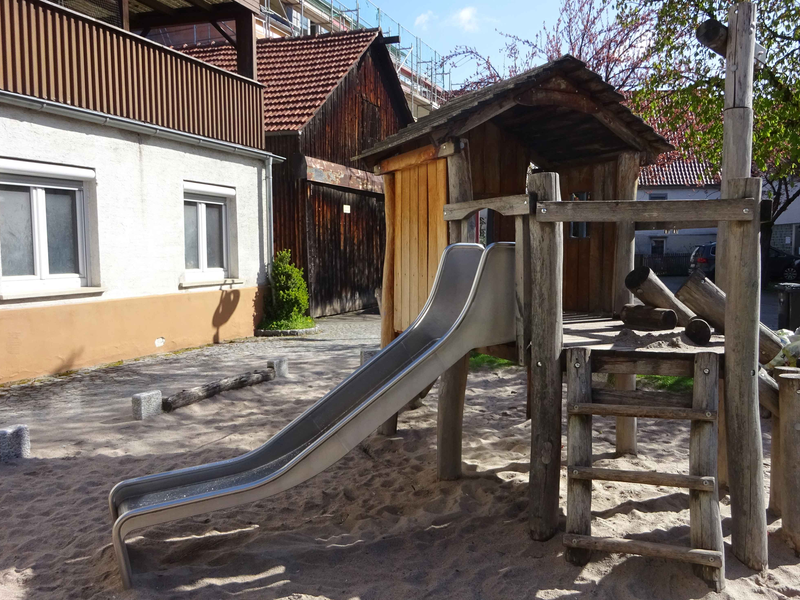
<point x="485" y="361"/>
<point x="300" y="322"/>
<point x="184" y="350"/>
<point x="668" y="383"/>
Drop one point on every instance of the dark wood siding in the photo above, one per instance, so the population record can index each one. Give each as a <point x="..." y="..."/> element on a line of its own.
<point x="54" y="54"/>
<point x="340" y="253"/>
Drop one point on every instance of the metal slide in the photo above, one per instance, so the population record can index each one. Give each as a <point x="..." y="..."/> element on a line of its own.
<point x="471" y="305"/>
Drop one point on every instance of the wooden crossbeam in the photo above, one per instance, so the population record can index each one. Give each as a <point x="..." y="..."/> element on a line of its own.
<point x="652" y="210"/>
<point x="708" y="558"/>
<point x="645" y="412"/>
<point x="642" y="398"/>
<point x="335" y="175"/>
<point x="417" y="157"/>
<point x="692" y="482"/>
<point x="158" y="6"/>
<point x="505" y="205"/>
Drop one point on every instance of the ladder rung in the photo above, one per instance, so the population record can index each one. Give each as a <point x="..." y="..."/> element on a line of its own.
<point x="646" y="412"/>
<point x="642" y="398"/>
<point x="708" y="558"/>
<point x="692" y="482"/>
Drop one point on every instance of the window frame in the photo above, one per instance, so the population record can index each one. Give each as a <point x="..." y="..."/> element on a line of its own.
<point x="193" y="195"/>
<point x="663" y="241"/>
<point x="42" y="280"/>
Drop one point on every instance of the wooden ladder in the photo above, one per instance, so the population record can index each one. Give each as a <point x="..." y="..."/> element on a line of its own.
<point x="699" y="407"/>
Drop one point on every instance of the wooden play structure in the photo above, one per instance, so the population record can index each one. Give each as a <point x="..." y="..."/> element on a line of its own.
<point x="567" y="129"/>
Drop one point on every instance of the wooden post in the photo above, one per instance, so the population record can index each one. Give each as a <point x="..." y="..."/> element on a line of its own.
<point x="776" y="453"/>
<point x="737" y="132"/>
<point x="628" y="165"/>
<point x="124" y="14"/>
<point x="789" y="384"/>
<point x="522" y="291"/>
<point x="246" y="44"/>
<point x="579" y="451"/>
<point x="745" y="473"/>
<point x="387" y="291"/>
<point x="705" y="525"/>
<point x="453" y="385"/>
<point x="547" y="263"/>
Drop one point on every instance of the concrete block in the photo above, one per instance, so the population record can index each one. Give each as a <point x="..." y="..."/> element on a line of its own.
<point x="146" y="404"/>
<point x="366" y="355"/>
<point x="15" y="442"/>
<point x="281" y="366"/>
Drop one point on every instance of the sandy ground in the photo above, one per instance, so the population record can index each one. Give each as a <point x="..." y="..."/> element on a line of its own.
<point x="375" y="525"/>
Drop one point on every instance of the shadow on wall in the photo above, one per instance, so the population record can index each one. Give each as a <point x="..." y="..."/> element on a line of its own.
<point x="228" y="301"/>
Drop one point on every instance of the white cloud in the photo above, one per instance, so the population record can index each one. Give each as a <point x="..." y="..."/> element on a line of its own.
<point x="466" y="19"/>
<point x="422" y="20"/>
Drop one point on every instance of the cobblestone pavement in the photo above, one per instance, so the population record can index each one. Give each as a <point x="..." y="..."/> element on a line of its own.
<point x="341" y="336"/>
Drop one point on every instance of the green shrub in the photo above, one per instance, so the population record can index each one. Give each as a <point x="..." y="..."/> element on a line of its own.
<point x="287" y="301"/>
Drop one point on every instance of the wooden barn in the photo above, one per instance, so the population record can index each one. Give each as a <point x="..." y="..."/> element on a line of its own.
<point x="559" y="117"/>
<point x="327" y="99"/>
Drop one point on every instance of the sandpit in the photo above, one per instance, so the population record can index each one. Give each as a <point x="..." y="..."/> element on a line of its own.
<point x="376" y="525"/>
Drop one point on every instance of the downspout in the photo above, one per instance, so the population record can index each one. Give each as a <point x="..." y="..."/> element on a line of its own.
<point x="269" y="242"/>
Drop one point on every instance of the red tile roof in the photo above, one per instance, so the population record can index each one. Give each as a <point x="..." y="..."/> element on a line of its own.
<point x="298" y="72"/>
<point x="677" y="171"/>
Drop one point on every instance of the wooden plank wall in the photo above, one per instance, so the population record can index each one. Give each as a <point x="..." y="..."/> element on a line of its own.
<point x="345" y="250"/>
<point x="420" y="236"/>
<point x="589" y="262"/>
<point x="54" y="54"/>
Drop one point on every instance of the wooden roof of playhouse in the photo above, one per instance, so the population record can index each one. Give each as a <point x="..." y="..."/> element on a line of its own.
<point x="561" y="111"/>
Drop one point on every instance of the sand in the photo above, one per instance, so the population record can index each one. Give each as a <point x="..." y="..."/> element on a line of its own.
<point x="375" y="525"/>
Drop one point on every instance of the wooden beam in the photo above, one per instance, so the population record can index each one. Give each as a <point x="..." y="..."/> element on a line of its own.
<point x="646" y="412"/>
<point x="623" y="545"/>
<point x="714" y="36"/>
<point x="391" y="39"/>
<point x="505" y="205"/>
<point x="545" y="97"/>
<point x="158" y="6"/>
<point x="579" y="451"/>
<point x="653" y="210"/>
<point x="789" y="456"/>
<point x="184" y="16"/>
<point x="486" y="113"/>
<point x="246" y="64"/>
<point x="547" y="265"/>
<point x="224" y="33"/>
<point x="669" y="225"/>
<point x="124" y="14"/>
<point x="331" y="174"/>
<point x="691" y="482"/>
<point x="417" y="157"/>
<point x="201" y="4"/>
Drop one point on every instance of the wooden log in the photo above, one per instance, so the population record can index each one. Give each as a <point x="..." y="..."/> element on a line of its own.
<point x="722" y="437"/>
<point x="776" y="453"/>
<point x="628" y="167"/>
<point x="453" y="386"/>
<point x="648" y="318"/>
<point x="187" y="397"/>
<point x="705" y="484"/>
<point x="704" y="519"/>
<point x="645" y="412"/>
<point x="626" y="546"/>
<point x="652" y="363"/>
<point x="714" y="36"/>
<point x="646" y="286"/>
<point x="335" y="175"/>
<point x="547" y="252"/>
<point x="579" y="451"/>
<point x="452" y="389"/>
<point x="642" y="398"/>
<point x="789" y="384"/>
<point x="703" y="297"/>
<point x="459" y="187"/>
<point x="522" y="289"/>
<point x="745" y="474"/>
<point x="505" y="205"/>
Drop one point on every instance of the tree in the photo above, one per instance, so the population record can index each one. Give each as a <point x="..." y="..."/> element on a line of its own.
<point x="615" y="44"/>
<point x="685" y="78"/>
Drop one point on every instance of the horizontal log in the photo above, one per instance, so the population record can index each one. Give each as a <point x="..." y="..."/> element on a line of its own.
<point x="417" y="157"/>
<point x="505" y="205"/>
<point x="642" y="398"/>
<point x="648" y="318"/>
<point x="709" y="558"/>
<point x="692" y="482"/>
<point x="644" y="412"/>
<point x="186" y="397"/>
<point x="651" y="210"/>
<point x="643" y="362"/>
<point x="670" y="225"/>
<point x="714" y="36"/>
<point x="332" y="174"/>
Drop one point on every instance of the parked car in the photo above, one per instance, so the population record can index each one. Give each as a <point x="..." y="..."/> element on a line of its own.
<point x="704" y="258"/>
<point x="781" y="266"/>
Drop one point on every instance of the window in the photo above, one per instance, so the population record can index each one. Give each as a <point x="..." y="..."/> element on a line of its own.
<point x="579" y="230"/>
<point x="657" y="246"/>
<point x="42" y="234"/>
<point x="206" y="238"/>
<point x="657" y="196"/>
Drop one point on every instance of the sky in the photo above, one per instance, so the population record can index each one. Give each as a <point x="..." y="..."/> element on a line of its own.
<point x="445" y="24"/>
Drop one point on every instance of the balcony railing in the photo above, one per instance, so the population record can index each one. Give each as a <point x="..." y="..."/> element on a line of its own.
<point x="52" y="53"/>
